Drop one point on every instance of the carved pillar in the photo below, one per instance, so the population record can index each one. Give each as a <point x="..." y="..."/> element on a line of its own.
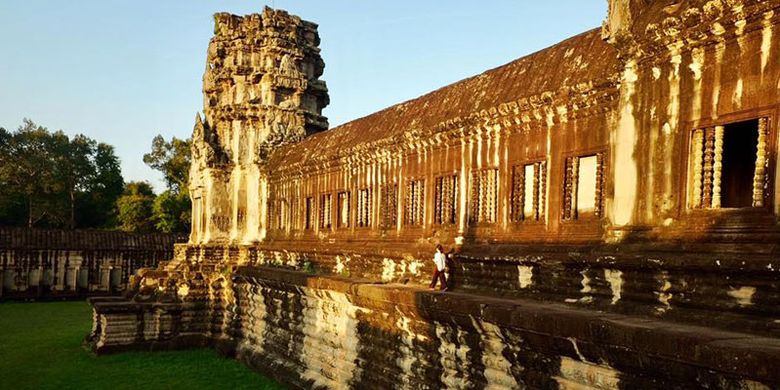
<point x="408" y="206"/>
<point x="537" y="183"/>
<point x="759" y="178"/>
<point x="697" y="147"/>
<point x="492" y="210"/>
<point x="717" y="167"/>
<point x="709" y="159"/>
<point x="599" y="185"/>
<point x="474" y="216"/>
<point x="542" y="206"/>
<point x="438" y="200"/>
<point x="518" y="193"/>
<point x="420" y="202"/>
<point x="575" y="177"/>
<point x="567" y="188"/>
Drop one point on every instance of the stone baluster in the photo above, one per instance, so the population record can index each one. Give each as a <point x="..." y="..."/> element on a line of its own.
<point x="717" y="167"/>
<point x="575" y="176"/>
<point x="709" y="158"/>
<point x="567" y="191"/>
<point x="542" y="189"/>
<point x="759" y="178"/>
<point x="518" y="193"/>
<point x="599" y="184"/>
<point x="697" y="148"/>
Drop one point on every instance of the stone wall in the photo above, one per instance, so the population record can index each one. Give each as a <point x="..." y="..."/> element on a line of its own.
<point x="332" y="332"/>
<point x="65" y="263"/>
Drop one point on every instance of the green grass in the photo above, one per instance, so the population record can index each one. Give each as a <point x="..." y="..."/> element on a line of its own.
<point x="40" y="348"/>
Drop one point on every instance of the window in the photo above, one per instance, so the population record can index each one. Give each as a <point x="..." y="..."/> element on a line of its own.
<point x="388" y="207"/>
<point x="292" y="214"/>
<point x="583" y="186"/>
<point x="326" y="210"/>
<point x="307" y="220"/>
<point x="343" y="211"/>
<point x="446" y="200"/>
<point x="484" y="196"/>
<point x="728" y="165"/>
<point x="529" y="189"/>
<point x="364" y="208"/>
<point x="415" y="203"/>
<point x="278" y="212"/>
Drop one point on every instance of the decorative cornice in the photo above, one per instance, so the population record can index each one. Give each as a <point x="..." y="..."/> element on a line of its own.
<point x="513" y="117"/>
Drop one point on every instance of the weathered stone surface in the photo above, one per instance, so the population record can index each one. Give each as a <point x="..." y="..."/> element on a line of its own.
<point x="43" y="264"/>
<point x="610" y="201"/>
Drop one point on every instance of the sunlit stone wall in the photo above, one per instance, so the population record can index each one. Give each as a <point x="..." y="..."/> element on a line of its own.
<point x="261" y="90"/>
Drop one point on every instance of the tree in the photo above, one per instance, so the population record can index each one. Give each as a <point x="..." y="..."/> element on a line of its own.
<point x="172" y="207"/>
<point x="75" y="169"/>
<point x="172" y="159"/>
<point x="98" y="207"/>
<point x="12" y="202"/>
<point x="135" y="207"/>
<point x="172" y="212"/>
<point x="57" y="181"/>
<point x="26" y="167"/>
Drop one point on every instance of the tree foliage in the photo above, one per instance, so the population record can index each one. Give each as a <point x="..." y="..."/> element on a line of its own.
<point x="172" y="159"/>
<point x="171" y="208"/>
<point x="172" y="212"/>
<point x="135" y="208"/>
<point x="50" y="180"/>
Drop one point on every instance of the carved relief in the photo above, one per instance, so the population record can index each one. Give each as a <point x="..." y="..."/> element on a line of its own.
<point x="256" y="99"/>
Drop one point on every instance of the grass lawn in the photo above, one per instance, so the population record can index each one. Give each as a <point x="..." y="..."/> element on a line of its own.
<point x="40" y="348"/>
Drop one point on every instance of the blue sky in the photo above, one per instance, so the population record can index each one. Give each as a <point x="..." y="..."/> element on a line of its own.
<point x="123" y="71"/>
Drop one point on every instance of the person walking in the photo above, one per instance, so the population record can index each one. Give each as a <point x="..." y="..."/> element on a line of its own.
<point x="440" y="263"/>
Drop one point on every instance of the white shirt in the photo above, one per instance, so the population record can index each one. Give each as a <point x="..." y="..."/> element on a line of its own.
<point x="440" y="260"/>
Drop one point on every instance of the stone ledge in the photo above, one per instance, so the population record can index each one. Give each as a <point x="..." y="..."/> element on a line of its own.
<point x="581" y="334"/>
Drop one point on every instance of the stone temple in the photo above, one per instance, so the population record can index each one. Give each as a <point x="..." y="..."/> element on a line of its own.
<point x="612" y="203"/>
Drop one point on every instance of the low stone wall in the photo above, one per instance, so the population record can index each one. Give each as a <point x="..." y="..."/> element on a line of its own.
<point x="329" y="332"/>
<point x="716" y="285"/>
<point x="39" y="264"/>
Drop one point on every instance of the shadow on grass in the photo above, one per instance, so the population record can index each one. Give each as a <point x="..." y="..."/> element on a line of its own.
<point x="40" y="348"/>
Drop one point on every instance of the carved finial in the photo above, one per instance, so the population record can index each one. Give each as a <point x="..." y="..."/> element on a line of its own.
<point x="198" y="131"/>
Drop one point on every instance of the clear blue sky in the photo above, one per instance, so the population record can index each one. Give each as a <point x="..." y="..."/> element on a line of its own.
<point x="122" y="71"/>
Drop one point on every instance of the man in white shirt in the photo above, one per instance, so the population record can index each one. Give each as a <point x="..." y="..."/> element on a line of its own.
<point x="440" y="261"/>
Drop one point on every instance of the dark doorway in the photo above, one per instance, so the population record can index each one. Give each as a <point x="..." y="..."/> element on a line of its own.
<point x="740" y="145"/>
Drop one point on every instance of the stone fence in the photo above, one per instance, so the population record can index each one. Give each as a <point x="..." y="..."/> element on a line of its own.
<point x="37" y="264"/>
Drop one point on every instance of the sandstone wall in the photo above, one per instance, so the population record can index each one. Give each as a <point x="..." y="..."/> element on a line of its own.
<point x="630" y="119"/>
<point x="324" y="332"/>
<point x="62" y="263"/>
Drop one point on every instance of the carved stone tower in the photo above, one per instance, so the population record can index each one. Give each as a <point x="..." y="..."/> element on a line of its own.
<point x="261" y="89"/>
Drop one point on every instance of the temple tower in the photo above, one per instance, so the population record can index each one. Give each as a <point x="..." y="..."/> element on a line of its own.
<point x="261" y="90"/>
